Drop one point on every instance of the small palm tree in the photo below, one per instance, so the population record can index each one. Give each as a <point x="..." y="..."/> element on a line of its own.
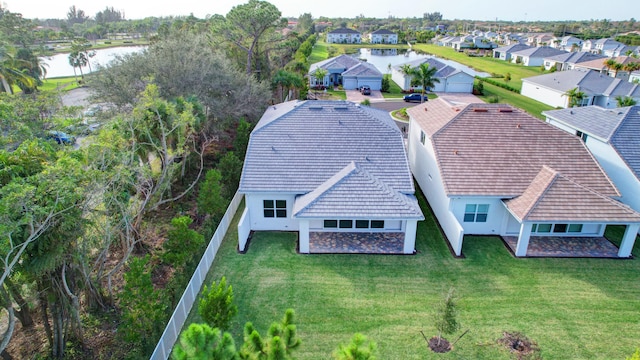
<point x="319" y="74"/>
<point x="575" y="97"/>
<point x="625" y="101"/>
<point x="424" y="75"/>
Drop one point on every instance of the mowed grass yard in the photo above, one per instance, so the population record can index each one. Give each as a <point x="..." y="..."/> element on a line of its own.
<point x="573" y="308"/>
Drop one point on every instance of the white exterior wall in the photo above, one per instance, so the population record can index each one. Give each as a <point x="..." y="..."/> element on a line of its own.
<point x="355" y="82"/>
<point x="244" y="229"/>
<point x="544" y="95"/>
<point x="458" y="83"/>
<point x="618" y="172"/>
<point x="495" y="217"/>
<point x="532" y="61"/>
<point x="426" y="172"/>
<point x="256" y="212"/>
<point x="383" y="39"/>
<point x="400" y="79"/>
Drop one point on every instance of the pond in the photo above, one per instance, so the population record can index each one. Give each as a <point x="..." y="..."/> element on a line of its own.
<point x="381" y="58"/>
<point x="58" y="65"/>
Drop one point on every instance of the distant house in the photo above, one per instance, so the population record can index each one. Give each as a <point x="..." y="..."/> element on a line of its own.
<point x="343" y="36"/>
<point x="599" y="89"/>
<point x="330" y="171"/>
<point x="534" y="56"/>
<point x="570" y="43"/>
<point x="570" y="60"/>
<point x="383" y="36"/>
<point x="540" y="39"/>
<point x="347" y="71"/>
<point x="601" y="66"/>
<point x="612" y="137"/>
<point x="451" y="79"/>
<point x="505" y="52"/>
<point x="634" y="77"/>
<point x="490" y="169"/>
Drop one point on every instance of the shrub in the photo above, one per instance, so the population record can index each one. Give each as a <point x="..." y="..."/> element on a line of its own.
<point x="365" y="102"/>
<point x="493" y="100"/>
<point x="216" y="306"/>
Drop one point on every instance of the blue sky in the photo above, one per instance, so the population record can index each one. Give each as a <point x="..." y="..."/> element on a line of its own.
<point x="516" y="10"/>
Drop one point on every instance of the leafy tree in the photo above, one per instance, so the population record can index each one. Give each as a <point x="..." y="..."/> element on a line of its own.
<point x="201" y="342"/>
<point x="216" y="305"/>
<point x="245" y="25"/>
<point x="625" y="101"/>
<point x="231" y="167"/>
<point x="357" y="349"/>
<point x="285" y="81"/>
<point x="575" y="97"/>
<point x="11" y="70"/>
<point x="385" y="83"/>
<point x="319" y="75"/>
<point x="76" y="16"/>
<point x="108" y="15"/>
<point x="182" y="243"/>
<point x="446" y="315"/>
<point x="424" y="76"/>
<point x="210" y="199"/>
<point x="507" y="77"/>
<point x="281" y="340"/>
<point x="241" y="141"/>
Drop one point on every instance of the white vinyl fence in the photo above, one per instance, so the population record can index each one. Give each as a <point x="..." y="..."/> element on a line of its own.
<point x="179" y="316"/>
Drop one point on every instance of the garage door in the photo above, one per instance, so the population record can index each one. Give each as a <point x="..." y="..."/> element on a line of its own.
<point x="349" y="83"/>
<point x="373" y="84"/>
<point x="459" y="87"/>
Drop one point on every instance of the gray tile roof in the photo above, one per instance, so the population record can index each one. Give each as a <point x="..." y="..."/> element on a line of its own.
<point x="443" y="70"/>
<point x="383" y="32"/>
<point x="539" y="52"/>
<point x="618" y="127"/>
<point x="575" y="57"/>
<point x="546" y="200"/>
<point x="513" y="47"/>
<point x="339" y="62"/>
<point x="588" y="81"/>
<point x="354" y="192"/>
<point x="363" y="69"/>
<point x="344" y="31"/>
<point x="297" y="146"/>
<point x="497" y="150"/>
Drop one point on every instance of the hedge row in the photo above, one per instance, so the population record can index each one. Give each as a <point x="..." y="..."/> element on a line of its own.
<point x="500" y="84"/>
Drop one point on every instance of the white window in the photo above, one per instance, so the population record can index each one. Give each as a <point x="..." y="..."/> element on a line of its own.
<point x="423" y="137"/>
<point x="275" y="208"/>
<point x="476" y="212"/>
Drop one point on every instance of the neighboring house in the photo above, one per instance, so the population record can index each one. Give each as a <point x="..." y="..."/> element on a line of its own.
<point x="343" y="36"/>
<point x="326" y="169"/>
<point x="604" y="46"/>
<point x="451" y="79"/>
<point x="568" y="61"/>
<point x="570" y="43"/>
<point x="534" y="56"/>
<point x="472" y="42"/>
<point x="612" y="137"/>
<point x="540" y="39"/>
<point x="347" y="71"/>
<point x="505" y="52"/>
<point x="383" y="36"/>
<point x="490" y="169"/>
<point x="634" y="77"/>
<point x="599" y="89"/>
<point x="601" y="66"/>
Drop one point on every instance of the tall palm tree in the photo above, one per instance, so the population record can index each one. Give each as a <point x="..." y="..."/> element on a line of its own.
<point x="424" y="75"/>
<point x="11" y="70"/>
<point x="575" y="96"/>
<point x="406" y="70"/>
<point x="609" y="63"/>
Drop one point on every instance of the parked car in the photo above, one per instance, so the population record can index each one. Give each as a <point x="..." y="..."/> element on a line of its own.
<point x="365" y="90"/>
<point x="415" y="97"/>
<point x="61" y="138"/>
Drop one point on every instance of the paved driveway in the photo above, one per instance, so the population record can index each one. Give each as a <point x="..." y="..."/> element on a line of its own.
<point x="357" y="97"/>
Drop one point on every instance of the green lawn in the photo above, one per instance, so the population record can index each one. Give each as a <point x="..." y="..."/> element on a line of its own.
<point x="573" y="308"/>
<point x="319" y="52"/>
<point x="533" y="107"/>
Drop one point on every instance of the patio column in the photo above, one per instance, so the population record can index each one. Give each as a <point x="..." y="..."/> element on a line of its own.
<point x="628" y="240"/>
<point x="410" y="237"/>
<point x="303" y="236"/>
<point x="523" y="239"/>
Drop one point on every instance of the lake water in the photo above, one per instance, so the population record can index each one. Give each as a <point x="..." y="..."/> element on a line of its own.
<point x="381" y="58"/>
<point x="58" y="65"/>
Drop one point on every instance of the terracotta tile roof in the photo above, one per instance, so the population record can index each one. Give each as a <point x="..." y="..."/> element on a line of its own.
<point x="554" y="197"/>
<point x="497" y="150"/>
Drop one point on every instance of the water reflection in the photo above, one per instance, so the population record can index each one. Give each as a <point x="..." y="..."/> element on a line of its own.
<point x="58" y="65"/>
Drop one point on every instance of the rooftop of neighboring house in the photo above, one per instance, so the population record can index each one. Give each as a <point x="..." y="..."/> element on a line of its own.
<point x="299" y="145"/>
<point x="539" y="52"/>
<point x="600" y="64"/>
<point x="343" y="62"/>
<point x="619" y="127"/>
<point x="575" y="57"/>
<point x="363" y="69"/>
<point x="442" y="70"/>
<point x="497" y="150"/>
<point x="588" y="81"/>
<point x="383" y="32"/>
<point x="343" y="31"/>
<point x="512" y="48"/>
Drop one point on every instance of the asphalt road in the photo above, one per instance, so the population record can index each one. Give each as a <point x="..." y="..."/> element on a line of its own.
<point x="391" y="105"/>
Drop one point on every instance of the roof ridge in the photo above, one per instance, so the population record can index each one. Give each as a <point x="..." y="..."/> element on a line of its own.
<point x="554" y="176"/>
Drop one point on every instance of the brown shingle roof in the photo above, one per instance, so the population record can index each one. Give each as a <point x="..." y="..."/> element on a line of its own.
<point x="554" y="197"/>
<point x="497" y="150"/>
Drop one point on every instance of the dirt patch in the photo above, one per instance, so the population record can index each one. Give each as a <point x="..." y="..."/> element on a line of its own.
<point x="441" y="345"/>
<point x="520" y="345"/>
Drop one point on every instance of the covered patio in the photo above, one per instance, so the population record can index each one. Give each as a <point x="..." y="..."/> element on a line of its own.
<point x="356" y="242"/>
<point x="565" y="247"/>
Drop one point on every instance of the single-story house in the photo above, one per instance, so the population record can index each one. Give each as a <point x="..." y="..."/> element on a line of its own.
<point x="451" y="79"/>
<point x="343" y="36"/>
<point x="383" y="36"/>
<point x="505" y="52"/>
<point x="491" y="169"/>
<point x="329" y="170"/>
<point x="570" y="60"/>
<point x="599" y="89"/>
<point x="347" y="71"/>
<point x="612" y="137"/>
<point x="534" y="56"/>
<point x="600" y="65"/>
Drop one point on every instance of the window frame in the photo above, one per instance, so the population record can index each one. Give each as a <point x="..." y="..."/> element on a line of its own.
<point x="476" y="213"/>
<point x="274" y="208"/>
